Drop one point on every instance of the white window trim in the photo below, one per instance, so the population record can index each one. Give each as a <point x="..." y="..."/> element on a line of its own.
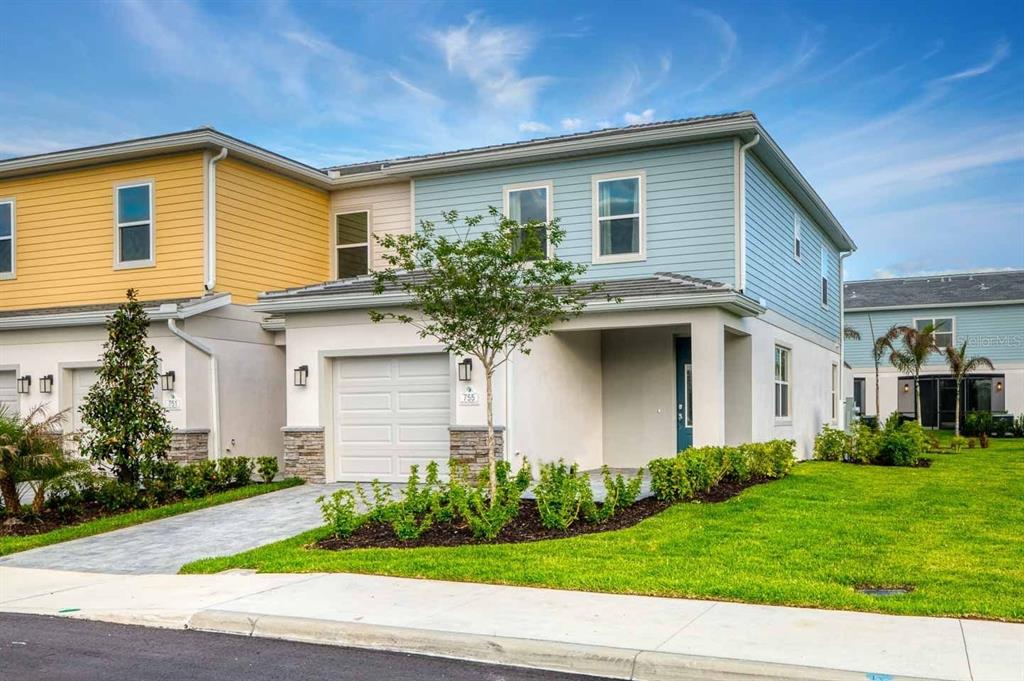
<point x="151" y="260"/>
<point x="951" y="319"/>
<point x="687" y="384"/>
<point x="548" y="186"/>
<point x="788" y="418"/>
<point x="14" y="239"/>
<point x="797" y="238"/>
<point x="335" y="247"/>
<point x="595" y="234"/>
<point x="823" y="279"/>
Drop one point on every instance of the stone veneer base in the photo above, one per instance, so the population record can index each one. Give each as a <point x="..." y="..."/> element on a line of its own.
<point x="304" y="455"/>
<point x="189" y="445"/>
<point x="469" y="446"/>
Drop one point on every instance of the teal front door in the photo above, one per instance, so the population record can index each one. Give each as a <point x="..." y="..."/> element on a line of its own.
<point x="684" y="395"/>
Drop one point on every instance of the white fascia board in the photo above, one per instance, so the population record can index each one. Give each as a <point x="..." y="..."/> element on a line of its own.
<point x="733" y="301"/>
<point x="99" y="317"/>
<point x="931" y="306"/>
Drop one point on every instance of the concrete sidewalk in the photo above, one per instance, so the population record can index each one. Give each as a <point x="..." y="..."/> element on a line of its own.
<point x="628" y="637"/>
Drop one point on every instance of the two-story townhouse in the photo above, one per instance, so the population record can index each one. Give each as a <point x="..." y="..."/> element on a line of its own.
<point x="985" y="309"/>
<point x="727" y="263"/>
<point x="199" y="223"/>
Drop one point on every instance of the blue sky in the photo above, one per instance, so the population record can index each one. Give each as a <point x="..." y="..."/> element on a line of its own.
<point x="908" y="118"/>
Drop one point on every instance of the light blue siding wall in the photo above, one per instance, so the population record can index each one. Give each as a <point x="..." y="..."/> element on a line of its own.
<point x="787" y="286"/>
<point x="993" y="331"/>
<point x="690" y="205"/>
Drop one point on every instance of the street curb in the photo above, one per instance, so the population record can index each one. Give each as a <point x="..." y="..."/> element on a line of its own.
<point x="607" y="661"/>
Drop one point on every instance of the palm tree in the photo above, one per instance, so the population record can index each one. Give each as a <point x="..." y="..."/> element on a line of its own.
<point x="850" y="333"/>
<point x="879" y="347"/>
<point x="31" y="452"/>
<point x="959" y="366"/>
<point x="910" y="354"/>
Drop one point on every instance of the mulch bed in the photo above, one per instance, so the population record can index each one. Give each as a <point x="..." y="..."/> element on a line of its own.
<point x="49" y="521"/>
<point x="526" y="527"/>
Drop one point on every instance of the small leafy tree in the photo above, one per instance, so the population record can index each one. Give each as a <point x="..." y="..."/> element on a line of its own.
<point x="125" y="423"/>
<point x="960" y="365"/>
<point x="486" y="296"/>
<point x="910" y="351"/>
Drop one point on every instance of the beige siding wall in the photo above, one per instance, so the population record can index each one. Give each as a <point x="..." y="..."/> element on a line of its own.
<point x="389" y="208"/>
<point x="271" y="231"/>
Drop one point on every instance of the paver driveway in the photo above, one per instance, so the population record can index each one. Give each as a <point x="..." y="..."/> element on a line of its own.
<point x="163" y="546"/>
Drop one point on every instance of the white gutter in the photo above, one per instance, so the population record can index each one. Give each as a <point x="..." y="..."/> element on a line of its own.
<point x="980" y="303"/>
<point x="211" y="219"/>
<point x="172" y="326"/>
<point x="741" y="231"/>
<point x="841" y="390"/>
<point x="98" y="317"/>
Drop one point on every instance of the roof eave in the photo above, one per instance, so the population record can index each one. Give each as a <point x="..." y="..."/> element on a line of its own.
<point x="99" y="317"/>
<point x="928" y="306"/>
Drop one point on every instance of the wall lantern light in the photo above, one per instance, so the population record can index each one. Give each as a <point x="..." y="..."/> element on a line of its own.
<point x="24" y="384"/>
<point x="466" y="370"/>
<point x="302" y="376"/>
<point x="46" y="384"/>
<point x="167" y="381"/>
<point x="999" y="386"/>
<point x="906" y="387"/>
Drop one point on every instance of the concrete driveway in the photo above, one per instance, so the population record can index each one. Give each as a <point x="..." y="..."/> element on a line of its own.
<point x="163" y="546"/>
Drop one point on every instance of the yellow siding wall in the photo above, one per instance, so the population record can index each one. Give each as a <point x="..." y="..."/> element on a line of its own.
<point x="389" y="208"/>
<point x="65" y="234"/>
<point x="272" y="232"/>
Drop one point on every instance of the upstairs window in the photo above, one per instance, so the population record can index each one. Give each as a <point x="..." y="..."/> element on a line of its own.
<point x="618" y="218"/>
<point x="7" y="239"/>
<point x="797" y="243"/>
<point x="352" y="244"/>
<point x="824" y="277"/>
<point x="782" y="390"/>
<point x="942" y="329"/>
<point x="530" y="204"/>
<point x="134" y="233"/>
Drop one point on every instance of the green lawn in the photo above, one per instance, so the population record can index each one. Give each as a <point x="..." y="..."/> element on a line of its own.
<point x="954" y="531"/>
<point x="116" y="522"/>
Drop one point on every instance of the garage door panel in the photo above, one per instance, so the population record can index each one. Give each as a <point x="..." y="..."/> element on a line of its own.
<point x="390" y="413"/>
<point x="426" y="434"/>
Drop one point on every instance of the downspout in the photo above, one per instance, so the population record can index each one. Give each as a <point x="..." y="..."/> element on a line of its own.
<point x="211" y="220"/>
<point x="741" y="169"/>
<point x="842" y="340"/>
<point x="172" y="326"/>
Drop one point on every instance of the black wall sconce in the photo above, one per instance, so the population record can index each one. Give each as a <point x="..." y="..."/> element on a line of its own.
<point x="24" y="384"/>
<point x="302" y="376"/>
<point x="466" y="370"/>
<point x="46" y="384"/>
<point x="167" y="381"/>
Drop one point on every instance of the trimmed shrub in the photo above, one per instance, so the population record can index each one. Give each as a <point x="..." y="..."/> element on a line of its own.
<point x="113" y="495"/>
<point x="696" y="470"/>
<point x="865" y="444"/>
<point x="267" y="468"/>
<point x="563" y="494"/>
<point x="957" y="444"/>
<point x="1018" y="426"/>
<point x="618" y="494"/>
<point x="833" y="444"/>
<point x="234" y="471"/>
<point x="198" y="479"/>
<point x="486" y="520"/>
<point x="160" y="479"/>
<point x="413" y="514"/>
<point x="339" y="513"/>
<point x="901" y="444"/>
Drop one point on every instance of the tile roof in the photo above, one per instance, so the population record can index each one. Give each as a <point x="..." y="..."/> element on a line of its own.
<point x="98" y="307"/>
<point x="948" y="289"/>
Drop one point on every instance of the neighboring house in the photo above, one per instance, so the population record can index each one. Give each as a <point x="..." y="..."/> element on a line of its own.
<point x="727" y="262"/>
<point x="728" y="265"/>
<point x="199" y="234"/>
<point x="986" y="309"/>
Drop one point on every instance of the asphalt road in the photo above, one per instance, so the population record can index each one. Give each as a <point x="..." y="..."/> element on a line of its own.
<point x="58" y="649"/>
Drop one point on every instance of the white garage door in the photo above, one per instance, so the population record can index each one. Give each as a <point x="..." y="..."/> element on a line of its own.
<point x="390" y="413"/>
<point x="9" y="391"/>
<point x="81" y="381"/>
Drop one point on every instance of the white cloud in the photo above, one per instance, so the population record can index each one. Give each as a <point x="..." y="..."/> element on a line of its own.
<point x="729" y="41"/>
<point x="572" y="124"/>
<point x="810" y="43"/>
<point x="533" y="126"/>
<point x="636" y="119"/>
<point x="601" y="125"/>
<point x="489" y="56"/>
<point x="1000" y="53"/>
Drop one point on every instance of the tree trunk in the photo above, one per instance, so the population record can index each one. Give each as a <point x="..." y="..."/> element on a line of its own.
<point x="9" y="491"/>
<point x="492" y="461"/>
<point x="878" y="392"/>
<point x="956" y="418"/>
<point x="917" y="398"/>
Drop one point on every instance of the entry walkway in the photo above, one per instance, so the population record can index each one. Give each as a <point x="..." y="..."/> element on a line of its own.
<point x="163" y="546"/>
<point x="627" y="637"/>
